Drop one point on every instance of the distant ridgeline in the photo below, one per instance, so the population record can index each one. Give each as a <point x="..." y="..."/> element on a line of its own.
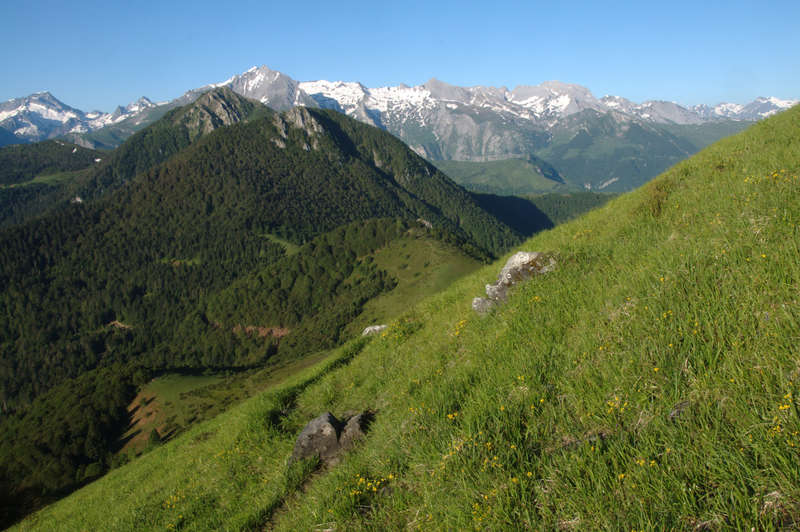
<point x="170" y="254"/>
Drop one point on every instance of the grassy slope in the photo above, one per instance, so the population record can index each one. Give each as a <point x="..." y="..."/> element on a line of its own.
<point x="49" y="179"/>
<point x="559" y="409"/>
<point x="509" y="176"/>
<point x="172" y="403"/>
<point x="422" y="266"/>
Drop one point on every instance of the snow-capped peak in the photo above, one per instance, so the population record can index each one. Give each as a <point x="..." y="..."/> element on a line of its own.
<point x="41" y="115"/>
<point x="347" y="94"/>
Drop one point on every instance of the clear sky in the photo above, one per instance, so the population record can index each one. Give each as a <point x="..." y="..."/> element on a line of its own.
<point x="97" y="55"/>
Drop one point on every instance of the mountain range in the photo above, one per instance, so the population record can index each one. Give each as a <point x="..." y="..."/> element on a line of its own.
<point x="608" y="143"/>
<point x="650" y="377"/>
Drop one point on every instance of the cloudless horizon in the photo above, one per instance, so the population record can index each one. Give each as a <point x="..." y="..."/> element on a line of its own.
<point x="96" y="55"/>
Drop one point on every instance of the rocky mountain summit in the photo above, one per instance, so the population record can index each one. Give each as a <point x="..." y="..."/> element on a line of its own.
<point x="608" y="143"/>
<point x="41" y="115"/>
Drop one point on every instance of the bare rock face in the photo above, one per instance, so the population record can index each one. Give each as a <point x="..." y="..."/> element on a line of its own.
<point x="520" y="267"/>
<point x="319" y="437"/>
<point x="327" y="437"/>
<point x="299" y="117"/>
<point x="354" y="430"/>
<point x="213" y="110"/>
<point x="373" y="329"/>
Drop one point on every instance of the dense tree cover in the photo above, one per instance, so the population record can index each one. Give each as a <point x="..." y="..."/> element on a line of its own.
<point x="7" y="137"/>
<point x="175" y="131"/>
<point x="18" y="204"/>
<point x="560" y="208"/>
<point x="452" y="206"/>
<point x="146" y="255"/>
<point x="66" y="437"/>
<point x="521" y="214"/>
<point x="144" y="150"/>
<point x="170" y="266"/>
<point x="72" y="278"/>
<point x="315" y="292"/>
<point x="23" y="162"/>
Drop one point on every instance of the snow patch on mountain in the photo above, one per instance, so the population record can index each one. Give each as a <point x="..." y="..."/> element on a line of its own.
<point x="41" y="116"/>
<point x="401" y="97"/>
<point x="453" y="108"/>
<point x="347" y="94"/>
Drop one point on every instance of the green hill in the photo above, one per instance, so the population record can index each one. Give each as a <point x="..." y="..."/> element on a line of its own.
<point x="33" y="177"/>
<point x="182" y="230"/>
<point x="649" y="382"/>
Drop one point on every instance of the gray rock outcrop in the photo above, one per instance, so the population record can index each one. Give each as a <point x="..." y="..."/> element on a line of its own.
<point x="354" y="430"/>
<point x="327" y="437"/>
<point x="373" y="329"/>
<point x="520" y="267"/>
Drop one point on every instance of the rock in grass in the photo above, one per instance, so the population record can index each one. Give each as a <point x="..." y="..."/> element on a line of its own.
<point x="373" y="329"/>
<point x="482" y="305"/>
<point x="354" y="430"/>
<point x="520" y="267"/>
<point x="319" y="437"/>
<point x="326" y="437"/>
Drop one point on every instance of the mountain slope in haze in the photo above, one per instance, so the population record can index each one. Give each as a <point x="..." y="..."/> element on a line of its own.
<point x="508" y="176"/>
<point x="649" y="380"/>
<point x="6" y="138"/>
<point x="588" y="146"/>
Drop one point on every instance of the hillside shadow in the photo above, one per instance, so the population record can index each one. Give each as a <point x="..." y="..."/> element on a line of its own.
<point x="518" y="213"/>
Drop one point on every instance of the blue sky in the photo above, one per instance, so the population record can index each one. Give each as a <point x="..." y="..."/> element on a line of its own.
<point x="96" y="55"/>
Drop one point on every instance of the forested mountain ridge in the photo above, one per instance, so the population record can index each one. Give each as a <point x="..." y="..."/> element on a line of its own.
<point x="103" y="172"/>
<point x="297" y="175"/>
<point x="23" y="162"/>
<point x="35" y="177"/>
<point x="142" y="274"/>
<point x="175" y="131"/>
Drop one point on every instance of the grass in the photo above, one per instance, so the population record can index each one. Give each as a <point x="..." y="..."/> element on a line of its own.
<point x="49" y="179"/>
<point x="173" y="403"/>
<point x="508" y="176"/>
<point x="422" y="266"/>
<point x="650" y="382"/>
<point x="288" y="247"/>
<point x="168" y="405"/>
